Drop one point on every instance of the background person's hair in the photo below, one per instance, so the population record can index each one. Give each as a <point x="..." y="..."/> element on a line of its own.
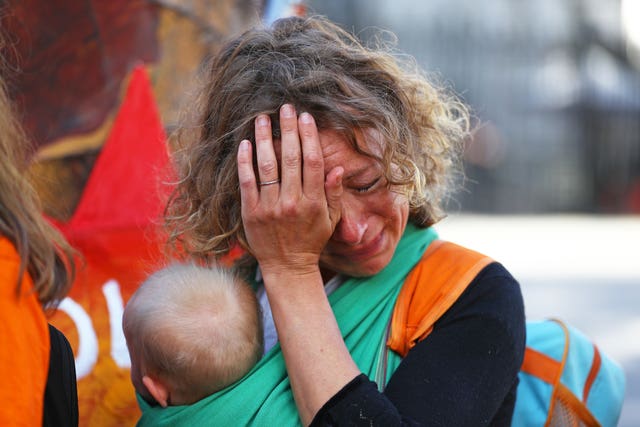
<point x="200" y="329"/>
<point x="347" y="87"/>
<point x="43" y="251"/>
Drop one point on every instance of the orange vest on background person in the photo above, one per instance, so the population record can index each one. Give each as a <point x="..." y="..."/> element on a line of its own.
<point x="24" y="345"/>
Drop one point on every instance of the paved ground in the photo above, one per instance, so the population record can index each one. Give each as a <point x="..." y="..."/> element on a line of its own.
<point x="582" y="269"/>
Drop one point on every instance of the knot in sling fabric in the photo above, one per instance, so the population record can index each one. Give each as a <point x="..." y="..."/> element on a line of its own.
<point x="362" y="307"/>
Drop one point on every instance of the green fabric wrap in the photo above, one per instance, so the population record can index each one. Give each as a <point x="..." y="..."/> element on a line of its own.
<point x="362" y="307"/>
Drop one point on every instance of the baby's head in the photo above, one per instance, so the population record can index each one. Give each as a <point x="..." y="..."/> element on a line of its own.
<point x="191" y="331"/>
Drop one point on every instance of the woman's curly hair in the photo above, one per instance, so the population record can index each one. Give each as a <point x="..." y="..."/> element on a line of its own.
<point x="347" y="87"/>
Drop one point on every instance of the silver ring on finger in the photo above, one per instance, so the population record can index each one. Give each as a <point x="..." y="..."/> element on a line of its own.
<point x="275" y="181"/>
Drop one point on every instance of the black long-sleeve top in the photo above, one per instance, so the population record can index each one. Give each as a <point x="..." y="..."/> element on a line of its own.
<point x="465" y="373"/>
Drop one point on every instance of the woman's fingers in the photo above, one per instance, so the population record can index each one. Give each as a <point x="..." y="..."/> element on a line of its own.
<point x="276" y="214"/>
<point x="269" y="179"/>
<point x="246" y="176"/>
<point x="313" y="170"/>
<point x="291" y="160"/>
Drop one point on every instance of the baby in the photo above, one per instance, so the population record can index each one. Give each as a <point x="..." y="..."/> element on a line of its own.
<point x="191" y="331"/>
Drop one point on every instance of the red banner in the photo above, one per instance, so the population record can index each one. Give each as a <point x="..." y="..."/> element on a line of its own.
<point x="115" y="230"/>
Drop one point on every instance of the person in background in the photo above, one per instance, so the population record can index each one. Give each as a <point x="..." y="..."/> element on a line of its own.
<point x="191" y="331"/>
<point x="329" y="162"/>
<point x="37" y="372"/>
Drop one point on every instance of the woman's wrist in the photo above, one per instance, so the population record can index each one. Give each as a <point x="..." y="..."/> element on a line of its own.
<point x="291" y="276"/>
<point x="310" y="339"/>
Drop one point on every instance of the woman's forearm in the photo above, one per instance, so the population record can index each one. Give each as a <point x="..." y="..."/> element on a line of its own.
<point x="318" y="362"/>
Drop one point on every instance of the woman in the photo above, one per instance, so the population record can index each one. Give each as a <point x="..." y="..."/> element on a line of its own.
<point x="36" y="272"/>
<point x="328" y="162"/>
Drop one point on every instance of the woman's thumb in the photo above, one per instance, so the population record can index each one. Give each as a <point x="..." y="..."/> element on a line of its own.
<point x="333" y="191"/>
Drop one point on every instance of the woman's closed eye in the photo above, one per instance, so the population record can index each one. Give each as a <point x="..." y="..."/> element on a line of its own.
<point x="369" y="186"/>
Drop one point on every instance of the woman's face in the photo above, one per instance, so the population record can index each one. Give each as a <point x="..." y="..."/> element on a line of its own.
<point x="373" y="216"/>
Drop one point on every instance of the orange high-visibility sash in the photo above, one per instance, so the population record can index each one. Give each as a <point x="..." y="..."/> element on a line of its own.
<point x="435" y="283"/>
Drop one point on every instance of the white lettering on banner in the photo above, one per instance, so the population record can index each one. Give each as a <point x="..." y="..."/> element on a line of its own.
<point x="115" y="305"/>
<point x="87" y="355"/>
<point x="88" y="341"/>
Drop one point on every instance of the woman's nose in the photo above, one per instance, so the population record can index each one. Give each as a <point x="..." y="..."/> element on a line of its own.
<point x="351" y="228"/>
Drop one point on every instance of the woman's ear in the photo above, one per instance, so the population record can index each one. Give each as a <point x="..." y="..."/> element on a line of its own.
<point x="158" y="389"/>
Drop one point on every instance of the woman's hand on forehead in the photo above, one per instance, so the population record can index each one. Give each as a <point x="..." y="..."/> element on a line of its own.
<point x="290" y="209"/>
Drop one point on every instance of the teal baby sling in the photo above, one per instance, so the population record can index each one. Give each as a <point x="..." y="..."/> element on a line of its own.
<point x="362" y="307"/>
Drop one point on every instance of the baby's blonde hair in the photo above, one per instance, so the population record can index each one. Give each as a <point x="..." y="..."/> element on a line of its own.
<point x="197" y="328"/>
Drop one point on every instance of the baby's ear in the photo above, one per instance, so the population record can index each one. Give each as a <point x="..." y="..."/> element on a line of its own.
<point x="158" y="389"/>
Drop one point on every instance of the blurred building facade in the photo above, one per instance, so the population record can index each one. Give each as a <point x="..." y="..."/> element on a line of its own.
<point x="553" y="85"/>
